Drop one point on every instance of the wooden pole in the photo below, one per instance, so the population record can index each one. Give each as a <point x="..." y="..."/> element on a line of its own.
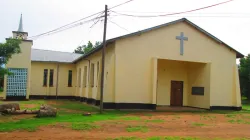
<point x="103" y="58"/>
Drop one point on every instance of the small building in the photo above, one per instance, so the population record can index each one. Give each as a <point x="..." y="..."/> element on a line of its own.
<point x="173" y="64"/>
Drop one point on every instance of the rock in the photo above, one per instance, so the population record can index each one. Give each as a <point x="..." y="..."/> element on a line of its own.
<point x="86" y="114"/>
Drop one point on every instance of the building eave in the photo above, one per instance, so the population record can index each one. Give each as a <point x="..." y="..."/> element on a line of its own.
<point x="51" y="62"/>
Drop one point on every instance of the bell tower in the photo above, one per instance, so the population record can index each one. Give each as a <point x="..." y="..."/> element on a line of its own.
<point x="20" y="34"/>
<point x="17" y="86"/>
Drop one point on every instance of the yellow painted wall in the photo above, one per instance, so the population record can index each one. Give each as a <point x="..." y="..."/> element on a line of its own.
<point x="191" y="73"/>
<point x="134" y="64"/>
<point x="167" y="71"/>
<point x="21" y="60"/>
<point x="37" y="87"/>
<point x="199" y="76"/>
<point x="236" y="88"/>
<point x="94" y="91"/>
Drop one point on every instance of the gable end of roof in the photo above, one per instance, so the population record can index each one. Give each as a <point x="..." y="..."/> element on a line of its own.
<point x="238" y="54"/>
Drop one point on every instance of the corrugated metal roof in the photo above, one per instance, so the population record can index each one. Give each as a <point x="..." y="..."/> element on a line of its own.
<point x="238" y="54"/>
<point x="40" y="55"/>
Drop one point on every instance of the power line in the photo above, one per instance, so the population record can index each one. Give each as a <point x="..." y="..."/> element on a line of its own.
<point x="198" y="16"/>
<point x="64" y="26"/>
<point x="60" y="30"/>
<point x="118" y="25"/>
<point x="90" y="28"/>
<point x="159" y="12"/>
<point x="96" y="22"/>
<point x="145" y="16"/>
<point x="120" y="4"/>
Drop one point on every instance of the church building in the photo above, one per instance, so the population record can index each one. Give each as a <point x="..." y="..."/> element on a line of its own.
<point x="173" y="64"/>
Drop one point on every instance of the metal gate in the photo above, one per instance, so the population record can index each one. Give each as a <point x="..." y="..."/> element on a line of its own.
<point x="17" y="83"/>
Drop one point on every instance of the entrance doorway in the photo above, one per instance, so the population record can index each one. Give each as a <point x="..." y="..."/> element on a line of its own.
<point x="176" y="93"/>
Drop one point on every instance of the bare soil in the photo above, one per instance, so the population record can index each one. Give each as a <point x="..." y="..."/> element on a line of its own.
<point x="54" y="102"/>
<point x="28" y="106"/>
<point x="158" y="124"/>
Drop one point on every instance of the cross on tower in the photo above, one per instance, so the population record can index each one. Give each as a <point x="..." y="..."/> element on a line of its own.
<point x="181" y="38"/>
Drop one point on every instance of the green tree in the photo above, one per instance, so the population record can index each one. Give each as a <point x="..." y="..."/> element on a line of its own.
<point x="86" y="48"/>
<point x="244" y="74"/>
<point x="7" y="49"/>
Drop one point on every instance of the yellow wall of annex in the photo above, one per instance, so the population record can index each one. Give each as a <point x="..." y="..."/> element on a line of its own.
<point x="37" y="87"/>
<point x="21" y="60"/>
<point x="93" y="91"/>
<point x="134" y="62"/>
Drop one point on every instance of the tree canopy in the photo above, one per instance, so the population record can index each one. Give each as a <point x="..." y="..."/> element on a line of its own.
<point x="244" y="74"/>
<point x="86" y="48"/>
<point x="7" y="49"/>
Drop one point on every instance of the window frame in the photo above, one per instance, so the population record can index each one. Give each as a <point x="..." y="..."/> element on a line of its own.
<point x="45" y="77"/>
<point x="85" y="73"/>
<point x="51" y="77"/>
<point x="79" y="77"/>
<point x="92" y="76"/>
<point x="70" y="75"/>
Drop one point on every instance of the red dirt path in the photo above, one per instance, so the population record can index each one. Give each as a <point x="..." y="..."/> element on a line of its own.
<point x="178" y="124"/>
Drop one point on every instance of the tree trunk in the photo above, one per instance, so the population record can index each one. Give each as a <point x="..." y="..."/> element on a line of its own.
<point x="14" y="109"/>
<point x="47" y="111"/>
<point x="12" y="106"/>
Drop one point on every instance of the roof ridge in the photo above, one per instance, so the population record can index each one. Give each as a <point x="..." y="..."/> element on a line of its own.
<point x="56" y="51"/>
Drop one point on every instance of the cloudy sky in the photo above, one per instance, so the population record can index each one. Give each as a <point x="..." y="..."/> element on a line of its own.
<point x="229" y="22"/>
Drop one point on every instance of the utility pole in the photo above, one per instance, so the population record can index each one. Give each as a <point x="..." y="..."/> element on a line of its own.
<point x="103" y="57"/>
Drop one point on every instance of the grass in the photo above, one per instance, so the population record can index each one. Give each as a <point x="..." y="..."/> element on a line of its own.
<point x="198" y="124"/>
<point x="246" y="107"/>
<point x="84" y="126"/>
<point x="154" y="121"/>
<point x="207" y="117"/>
<point x="244" y="98"/>
<point x="239" y="121"/>
<point x="27" y="124"/>
<point x="131" y="118"/>
<point x="78" y="121"/>
<point x="37" y="103"/>
<point x="124" y="138"/>
<point x="137" y="128"/>
<point x="230" y="115"/>
<point x="77" y="106"/>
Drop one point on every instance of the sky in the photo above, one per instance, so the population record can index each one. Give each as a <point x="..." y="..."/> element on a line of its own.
<point x="228" y="22"/>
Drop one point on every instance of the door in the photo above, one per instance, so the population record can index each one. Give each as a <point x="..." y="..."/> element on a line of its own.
<point x="176" y="93"/>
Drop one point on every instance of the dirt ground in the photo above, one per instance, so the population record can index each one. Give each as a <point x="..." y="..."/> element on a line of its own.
<point x="157" y="124"/>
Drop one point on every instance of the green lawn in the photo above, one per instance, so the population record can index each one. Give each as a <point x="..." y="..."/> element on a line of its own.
<point x="246" y="106"/>
<point x="70" y="112"/>
<point x="63" y="116"/>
